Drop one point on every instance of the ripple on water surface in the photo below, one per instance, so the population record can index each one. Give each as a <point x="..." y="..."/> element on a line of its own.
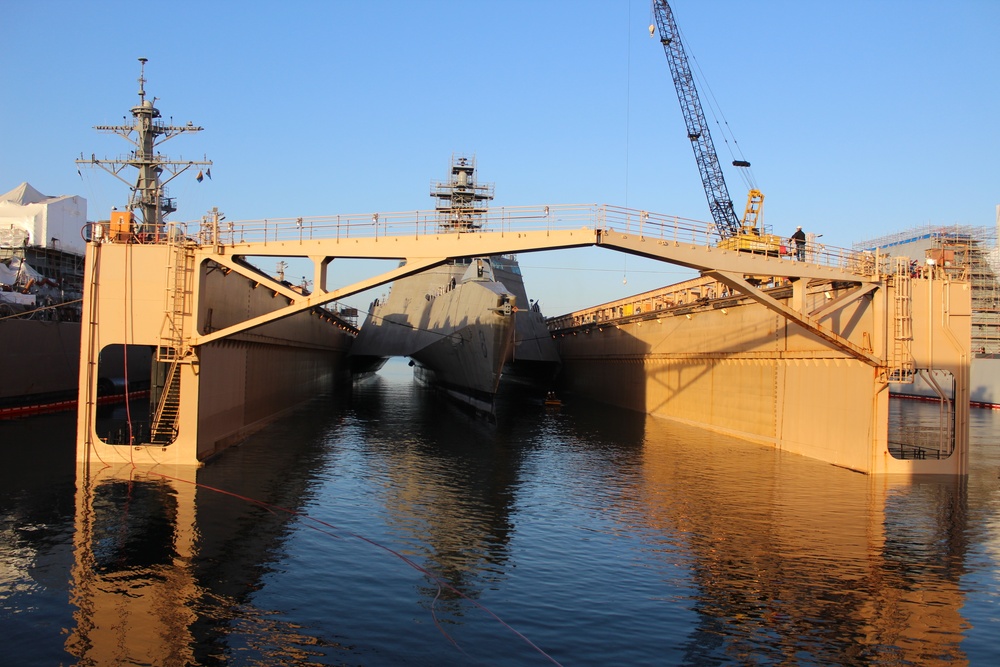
<point x="388" y="527"/>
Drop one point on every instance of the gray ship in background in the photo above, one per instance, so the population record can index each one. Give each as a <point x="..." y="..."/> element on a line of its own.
<point x="467" y="324"/>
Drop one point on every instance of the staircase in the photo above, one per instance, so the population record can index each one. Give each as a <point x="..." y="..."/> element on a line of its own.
<point x="173" y="349"/>
<point x="164" y="426"/>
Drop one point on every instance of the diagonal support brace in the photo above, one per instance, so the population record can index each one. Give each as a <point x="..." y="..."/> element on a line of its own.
<point x="299" y="302"/>
<point x="843" y="300"/>
<point x="737" y="282"/>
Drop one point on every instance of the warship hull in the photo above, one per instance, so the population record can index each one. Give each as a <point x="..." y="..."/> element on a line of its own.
<point x="40" y="313"/>
<point x="464" y="324"/>
<point x="455" y="323"/>
<point x="534" y="359"/>
<point x="41" y="362"/>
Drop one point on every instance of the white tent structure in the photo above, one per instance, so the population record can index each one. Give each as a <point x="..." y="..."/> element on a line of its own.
<point x="27" y="217"/>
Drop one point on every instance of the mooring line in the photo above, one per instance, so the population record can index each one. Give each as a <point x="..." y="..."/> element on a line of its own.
<point x="441" y="584"/>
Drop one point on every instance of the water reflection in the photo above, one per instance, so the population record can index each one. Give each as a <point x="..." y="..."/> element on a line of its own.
<point x="795" y="560"/>
<point x="369" y="529"/>
<point x="167" y="559"/>
<point x="447" y="483"/>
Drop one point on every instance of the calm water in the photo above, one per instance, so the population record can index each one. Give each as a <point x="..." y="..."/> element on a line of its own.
<point x="387" y="528"/>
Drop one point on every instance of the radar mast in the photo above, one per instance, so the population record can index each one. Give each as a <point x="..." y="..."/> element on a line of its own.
<point x="461" y="201"/>
<point x="146" y="133"/>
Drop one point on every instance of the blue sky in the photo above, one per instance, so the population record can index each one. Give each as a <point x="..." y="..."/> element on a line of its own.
<point x="860" y="117"/>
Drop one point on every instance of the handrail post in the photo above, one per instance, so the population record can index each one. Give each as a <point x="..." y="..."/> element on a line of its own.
<point x="215" y="232"/>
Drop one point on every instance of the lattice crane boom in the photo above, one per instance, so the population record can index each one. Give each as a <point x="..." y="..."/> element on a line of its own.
<point x="719" y="202"/>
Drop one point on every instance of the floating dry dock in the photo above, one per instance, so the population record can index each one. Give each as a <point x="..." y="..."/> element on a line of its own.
<point x="803" y="366"/>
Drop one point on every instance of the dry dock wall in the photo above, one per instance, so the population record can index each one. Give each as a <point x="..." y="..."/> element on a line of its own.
<point x="739" y="368"/>
<point x="232" y="386"/>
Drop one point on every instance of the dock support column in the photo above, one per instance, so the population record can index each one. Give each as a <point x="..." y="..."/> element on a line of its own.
<point x="123" y="305"/>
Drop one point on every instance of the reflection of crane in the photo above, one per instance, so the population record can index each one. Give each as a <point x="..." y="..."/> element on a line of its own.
<point x="747" y="235"/>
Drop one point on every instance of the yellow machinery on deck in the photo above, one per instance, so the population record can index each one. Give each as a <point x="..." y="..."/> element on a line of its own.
<point x="751" y="238"/>
<point x="748" y="235"/>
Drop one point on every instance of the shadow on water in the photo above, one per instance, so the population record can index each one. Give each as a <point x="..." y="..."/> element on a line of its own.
<point x="37" y="483"/>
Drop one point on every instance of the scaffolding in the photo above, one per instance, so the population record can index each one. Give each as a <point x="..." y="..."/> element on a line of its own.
<point x="962" y="252"/>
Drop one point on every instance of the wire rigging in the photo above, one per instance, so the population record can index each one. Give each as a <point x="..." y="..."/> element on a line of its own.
<point x="628" y="116"/>
<point x="725" y="130"/>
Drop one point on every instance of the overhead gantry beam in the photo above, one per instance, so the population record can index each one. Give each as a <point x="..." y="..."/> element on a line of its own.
<point x="423" y="252"/>
<point x="729" y="267"/>
<point x="465" y="244"/>
<point x="444" y="247"/>
<point x="299" y="302"/>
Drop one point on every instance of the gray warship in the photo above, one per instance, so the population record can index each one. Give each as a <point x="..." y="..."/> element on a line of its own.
<point x="467" y="326"/>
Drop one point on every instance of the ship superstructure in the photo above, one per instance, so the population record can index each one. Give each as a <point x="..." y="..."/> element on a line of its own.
<point x="147" y="289"/>
<point x="41" y="283"/>
<point x="148" y="200"/>
<point x="466" y="323"/>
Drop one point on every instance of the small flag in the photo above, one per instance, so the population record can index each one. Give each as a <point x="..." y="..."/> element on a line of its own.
<point x="79" y="174"/>
<point x="199" y="177"/>
<point x="208" y="172"/>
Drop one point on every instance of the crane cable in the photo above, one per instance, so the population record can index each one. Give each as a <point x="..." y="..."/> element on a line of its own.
<point x="628" y="114"/>
<point x="715" y="109"/>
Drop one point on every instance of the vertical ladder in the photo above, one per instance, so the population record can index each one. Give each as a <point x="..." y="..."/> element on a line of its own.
<point x="901" y="362"/>
<point x="172" y="348"/>
<point x="179" y="268"/>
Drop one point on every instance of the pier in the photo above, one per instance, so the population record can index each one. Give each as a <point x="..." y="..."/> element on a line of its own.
<point x="797" y="355"/>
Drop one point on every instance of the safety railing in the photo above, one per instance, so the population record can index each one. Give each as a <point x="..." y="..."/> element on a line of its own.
<point x="215" y="230"/>
<point x="393" y="224"/>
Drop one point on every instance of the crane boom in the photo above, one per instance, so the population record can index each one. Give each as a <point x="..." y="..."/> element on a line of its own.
<point x="719" y="202"/>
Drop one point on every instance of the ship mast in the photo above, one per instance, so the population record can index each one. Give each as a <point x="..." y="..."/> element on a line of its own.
<point x="148" y="196"/>
<point x="461" y="201"/>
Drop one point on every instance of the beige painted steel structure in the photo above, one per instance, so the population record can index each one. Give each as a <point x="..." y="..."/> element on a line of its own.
<point x="841" y="378"/>
<point x="797" y="367"/>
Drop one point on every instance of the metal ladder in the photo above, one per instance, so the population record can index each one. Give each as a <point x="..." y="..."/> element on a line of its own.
<point x="164" y="426"/>
<point x="901" y="363"/>
<point x="172" y="348"/>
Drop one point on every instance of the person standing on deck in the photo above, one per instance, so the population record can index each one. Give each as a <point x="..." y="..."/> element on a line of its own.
<point x="799" y="239"/>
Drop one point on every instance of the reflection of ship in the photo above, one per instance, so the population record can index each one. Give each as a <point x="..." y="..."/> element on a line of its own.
<point x="463" y="324"/>
<point x="41" y="283"/>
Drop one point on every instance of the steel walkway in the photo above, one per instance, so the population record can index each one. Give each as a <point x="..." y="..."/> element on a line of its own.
<point x="413" y="238"/>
